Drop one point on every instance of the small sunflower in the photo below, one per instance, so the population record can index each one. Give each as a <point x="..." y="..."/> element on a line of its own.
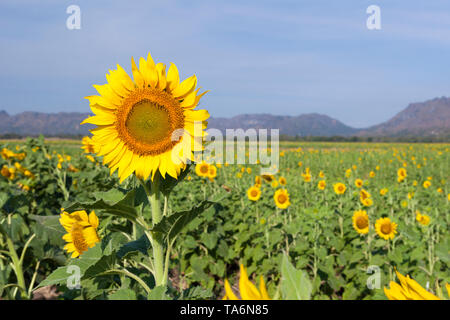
<point x="282" y="181"/>
<point x="281" y="198"/>
<point x="426" y="184"/>
<point x="339" y="188"/>
<point x="383" y="191"/>
<point x="81" y="231"/>
<point x="321" y="185"/>
<point x="386" y="228"/>
<point x="202" y="169"/>
<point x="88" y="145"/>
<point x="423" y="219"/>
<point x="254" y="193"/>
<point x="258" y="181"/>
<point x="401" y="174"/>
<point x="212" y="173"/>
<point x="359" y="183"/>
<point x="146" y="125"/>
<point x="361" y="221"/>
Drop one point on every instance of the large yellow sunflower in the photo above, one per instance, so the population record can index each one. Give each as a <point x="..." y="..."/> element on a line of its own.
<point x="281" y="198"/>
<point x="408" y="289"/>
<point x="81" y="231"/>
<point x="247" y="289"/>
<point x="254" y="193"/>
<point x="146" y="125"/>
<point x="361" y="221"/>
<point x="386" y="228"/>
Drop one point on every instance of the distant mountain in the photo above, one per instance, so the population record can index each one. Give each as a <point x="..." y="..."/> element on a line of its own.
<point x="35" y="123"/>
<point x="312" y="124"/>
<point x="425" y="119"/>
<point x="429" y="118"/>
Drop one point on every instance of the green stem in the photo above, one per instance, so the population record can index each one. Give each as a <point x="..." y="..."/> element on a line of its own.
<point x="17" y="266"/>
<point x="158" y="244"/>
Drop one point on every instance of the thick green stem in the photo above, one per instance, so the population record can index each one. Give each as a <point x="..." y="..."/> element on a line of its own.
<point x="158" y="243"/>
<point x="17" y="266"/>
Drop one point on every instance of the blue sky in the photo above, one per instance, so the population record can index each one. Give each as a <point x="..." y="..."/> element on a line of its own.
<point x="280" y="57"/>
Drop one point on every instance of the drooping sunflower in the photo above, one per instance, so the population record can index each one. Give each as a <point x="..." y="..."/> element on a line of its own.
<point x="81" y="231"/>
<point x="147" y="125"/>
<point x="386" y="228"/>
<point x="281" y="198"/>
<point x="361" y="221"/>
<point x="254" y="193"/>
<point x="247" y="289"/>
<point x="339" y="188"/>
<point x="408" y="289"/>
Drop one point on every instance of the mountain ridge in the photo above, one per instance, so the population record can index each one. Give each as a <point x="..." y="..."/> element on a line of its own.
<point x="428" y="118"/>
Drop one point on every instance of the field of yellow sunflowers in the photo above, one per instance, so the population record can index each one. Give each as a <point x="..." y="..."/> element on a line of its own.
<point x="335" y="216"/>
<point x="125" y="214"/>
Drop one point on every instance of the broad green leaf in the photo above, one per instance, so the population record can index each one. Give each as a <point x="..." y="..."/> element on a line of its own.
<point x="123" y="294"/>
<point x="158" y="293"/>
<point x="140" y="245"/>
<point x="172" y="225"/>
<point x="295" y="284"/>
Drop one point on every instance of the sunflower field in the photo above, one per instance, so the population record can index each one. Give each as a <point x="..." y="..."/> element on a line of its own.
<point x="337" y="221"/>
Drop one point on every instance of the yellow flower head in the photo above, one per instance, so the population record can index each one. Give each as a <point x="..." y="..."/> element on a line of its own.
<point x="321" y="174"/>
<point x="339" y="188"/>
<point x="281" y="198"/>
<point x="81" y="231"/>
<point x="212" y="173"/>
<point x="282" y="181"/>
<point x="254" y="193"/>
<point x="258" y="181"/>
<point x="408" y="289"/>
<point x="385" y="228"/>
<point x="426" y="184"/>
<point x="274" y="184"/>
<point x="361" y="221"/>
<point x="202" y="169"/>
<point x="247" y="289"/>
<point x="359" y="183"/>
<point x="401" y="174"/>
<point x="423" y="219"/>
<point x="383" y="191"/>
<point x="147" y="124"/>
<point x="88" y="145"/>
<point x="321" y="185"/>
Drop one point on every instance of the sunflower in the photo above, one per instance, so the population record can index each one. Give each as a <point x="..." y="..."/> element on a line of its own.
<point x="247" y="289"/>
<point x="258" y="181"/>
<point x="367" y="202"/>
<point x="268" y="177"/>
<point x="281" y="198"/>
<point x="423" y="219"/>
<point x="146" y="125"/>
<point x="426" y="184"/>
<point x="401" y="174"/>
<point x="361" y="221"/>
<point x="212" y="173"/>
<point x="359" y="183"/>
<point x="321" y="185"/>
<point x="81" y="231"/>
<point x="408" y="289"/>
<point x="385" y="228"/>
<point x="372" y="174"/>
<point x="383" y="191"/>
<point x="254" y="193"/>
<point x="202" y="169"/>
<point x="282" y="181"/>
<point x="274" y="183"/>
<point x="88" y="145"/>
<point x="339" y="188"/>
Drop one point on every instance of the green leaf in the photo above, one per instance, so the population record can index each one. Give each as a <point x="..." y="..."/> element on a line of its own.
<point x="172" y="225"/>
<point x="167" y="184"/>
<point x="140" y="245"/>
<point x="158" y="293"/>
<point x="123" y="294"/>
<point x="295" y="284"/>
<point x="50" y="228"/>
<point x="87" y="259"/>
